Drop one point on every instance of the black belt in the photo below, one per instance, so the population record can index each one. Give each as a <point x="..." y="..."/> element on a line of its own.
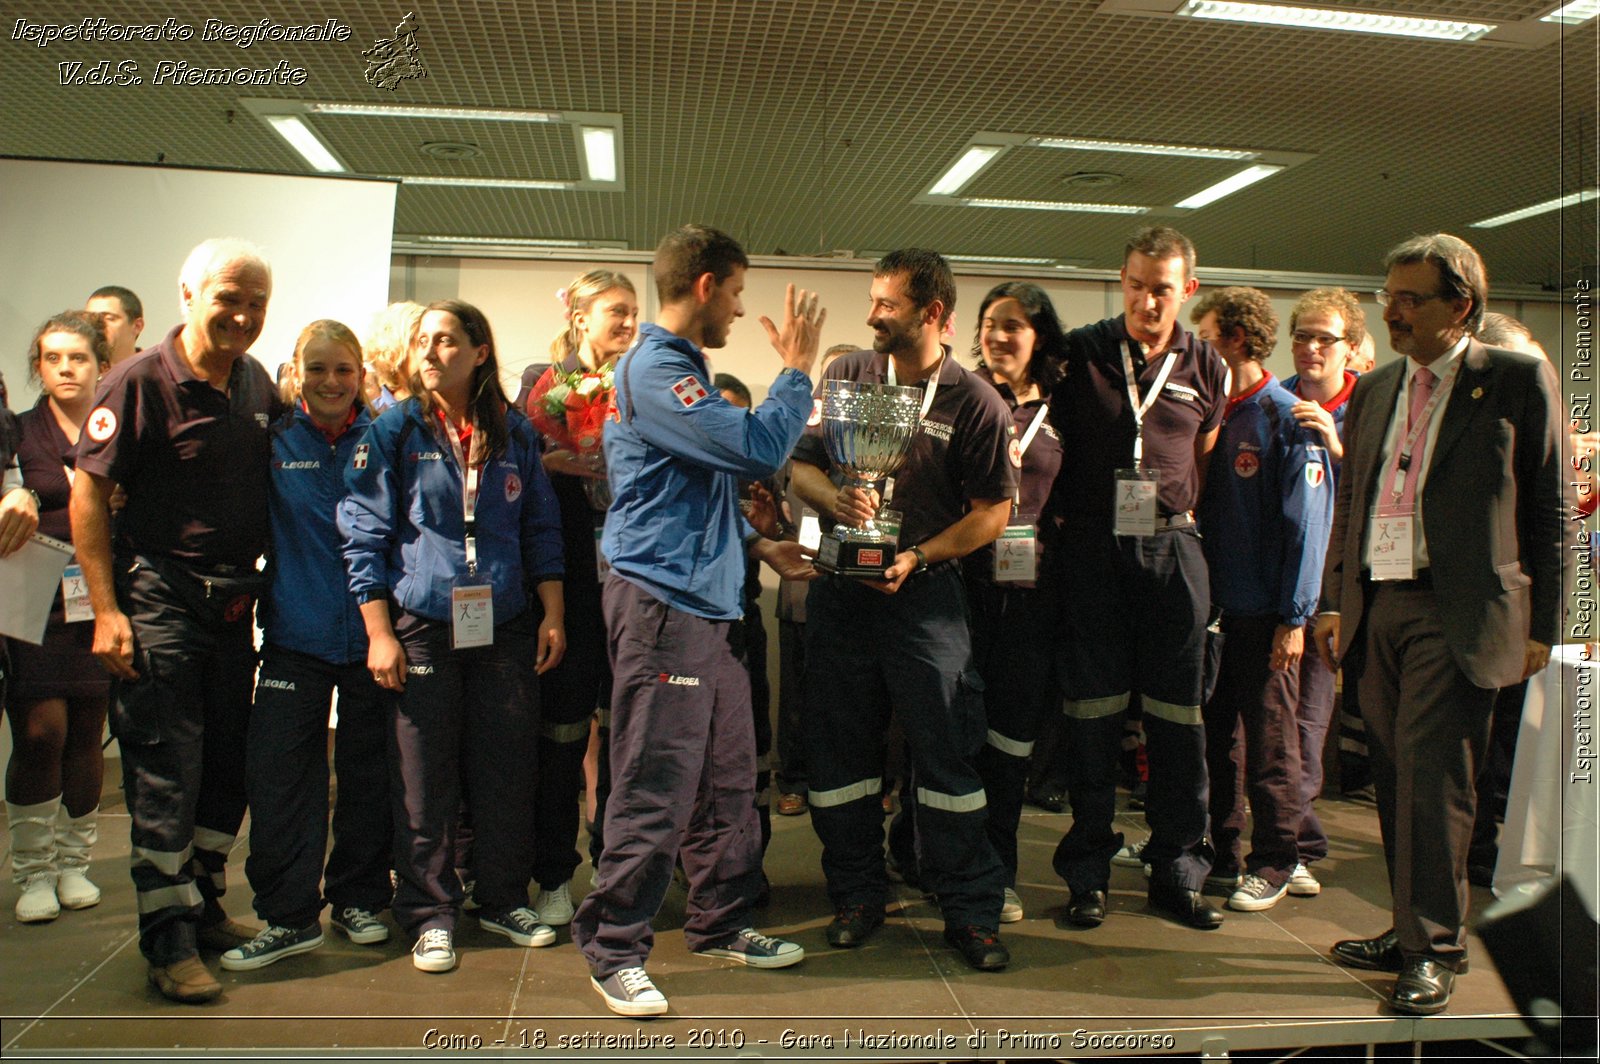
<point x="1422" y="580"/>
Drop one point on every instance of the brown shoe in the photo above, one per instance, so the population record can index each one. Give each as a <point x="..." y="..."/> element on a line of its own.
<point x="188" y="981"/>
<point x="791" y="804"/>
<point x="225" y="934"/>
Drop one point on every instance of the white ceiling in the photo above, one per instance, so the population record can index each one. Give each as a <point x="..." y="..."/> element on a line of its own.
<point x="810" y="126"/>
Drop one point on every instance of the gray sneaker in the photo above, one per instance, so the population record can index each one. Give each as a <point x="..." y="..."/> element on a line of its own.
<point x="555" y="906"/>
<point x="272" y="943"/>
<point x="751" y="947"/>
<point x="1011" y="907"/>
<point x="520" y="925"/>
<point x="1255" y="894"/>
<point x="1302" y="884"/>
<point x="630" y="993"/>
<point x="360" y="926"/>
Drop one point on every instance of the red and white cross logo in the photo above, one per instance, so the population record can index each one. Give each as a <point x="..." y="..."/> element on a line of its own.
<point x="689" y="391"/>
<point x="102" y="425"/>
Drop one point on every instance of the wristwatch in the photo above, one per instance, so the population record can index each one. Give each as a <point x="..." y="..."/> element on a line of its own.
<point x="922" y="559"/>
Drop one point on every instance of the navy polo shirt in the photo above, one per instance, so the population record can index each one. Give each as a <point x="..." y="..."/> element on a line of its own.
<point x="1090" y="411"/>
<point x="193" y="459"/>
<point x="960" y="452"/>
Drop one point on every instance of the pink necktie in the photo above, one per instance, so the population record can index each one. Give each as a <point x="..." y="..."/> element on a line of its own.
<point x="1422" y="383"/>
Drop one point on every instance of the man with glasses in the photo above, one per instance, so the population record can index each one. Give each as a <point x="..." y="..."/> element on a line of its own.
<point x="1326" y="327"/>
<point x="1444" y="569"/>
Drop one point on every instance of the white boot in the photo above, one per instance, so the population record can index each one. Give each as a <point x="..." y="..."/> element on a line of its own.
<point x="33" y="859"/>
<point x="75" y="838"/>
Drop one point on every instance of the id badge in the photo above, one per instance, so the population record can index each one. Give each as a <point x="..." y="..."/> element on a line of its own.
<point x="75" y="594"/>
<point x="1392" y="545"/>
<point x="601" y="566"/>
<point x="471" y="616"/>
<point x="1016" y="555"/>
<point x="1136" y="502"/>
<point x="810" y="529"/>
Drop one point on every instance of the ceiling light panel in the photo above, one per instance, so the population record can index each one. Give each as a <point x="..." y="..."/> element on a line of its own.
<point x="309" y="146"/>
<point x="477" y="114"/>
<point x="1572" y="199"/>
<point x="1573" y="14"/>
<point x="1140" y="148"/>
<point x="1054" y="205"/>
<point x="964" y="169"/>
<point x="1229" y="185"/>
<point x="1314" y="18"/>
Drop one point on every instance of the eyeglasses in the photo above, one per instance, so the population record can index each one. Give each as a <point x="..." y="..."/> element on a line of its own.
<point x="1306" y="339"/>
<point x="1405" y="300"/>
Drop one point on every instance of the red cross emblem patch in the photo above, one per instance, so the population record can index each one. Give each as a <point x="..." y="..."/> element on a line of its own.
<point x="689" y="391"/>
<point x="360" y="459"/>
<point x="102" y="425"/>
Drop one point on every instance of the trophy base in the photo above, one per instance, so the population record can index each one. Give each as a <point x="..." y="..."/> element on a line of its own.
<point x="855" y="557"/>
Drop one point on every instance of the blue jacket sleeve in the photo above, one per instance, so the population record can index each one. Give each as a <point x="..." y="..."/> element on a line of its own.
<point x="1308" y="517"/>
<point x="710" y="431"/>
<point x="369" y="512"/>
<point x="542" y="557"/>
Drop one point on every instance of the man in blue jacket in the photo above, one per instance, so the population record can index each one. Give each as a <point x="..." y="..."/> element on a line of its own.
<point x="682" y="745"/>
<point x="1265" y="517"/>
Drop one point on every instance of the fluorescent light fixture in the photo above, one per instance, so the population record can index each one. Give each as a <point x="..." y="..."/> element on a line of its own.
<point x="1228" y="186"/>
<point x="1571" y="199"/>
<point x="600" y="152"/>
<point x="1572" y="14"/>
<point x="481" y="182"/>
<point x="395" y="110"/>
<point x="1056" y="205"/>
<point x="1140" y="148"/>
<point x="307" y="143"/>
<point x="509" y="241"/>
<point x="1315" y="18"/>
<point x="972" y="160"/>
<point x="1002" y="260"/>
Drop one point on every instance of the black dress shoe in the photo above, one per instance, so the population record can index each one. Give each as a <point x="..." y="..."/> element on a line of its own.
<point x="853" y="925"/>
<point x="1381" y="954"/>
<point x="1087" y="908"/>
<point x="979" y="947"/>
<point x="1423" y="987"/>
<point x="1049" y="801"/>
<point x="1189" y="906"/>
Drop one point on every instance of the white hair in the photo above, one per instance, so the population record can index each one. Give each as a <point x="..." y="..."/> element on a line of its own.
<point x="211" y="257"/>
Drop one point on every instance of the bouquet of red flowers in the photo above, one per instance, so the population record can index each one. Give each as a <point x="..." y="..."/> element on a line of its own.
<point x="571" y="408"/>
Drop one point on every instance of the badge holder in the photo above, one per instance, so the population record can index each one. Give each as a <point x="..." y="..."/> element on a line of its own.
<point x="75" y="595"/>
<point x="1393" y="546"/>
<point x="1135" y="513"/>
<point x="1016" y="554"/>
<point x="471" y="602"/>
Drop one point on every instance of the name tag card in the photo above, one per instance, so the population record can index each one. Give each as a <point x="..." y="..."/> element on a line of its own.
<point x="1392" y="547"/>
<point x="1135" y="513"/>
<point x="1016" y="555"/>
<point x="75" y="595"/>
<point x="471" y="616"/>
<point x="810" y="529"/>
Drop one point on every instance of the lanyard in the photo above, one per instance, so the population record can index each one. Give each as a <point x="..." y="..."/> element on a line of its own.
<point x="469" y="497"/>
<point x="1022" y="449"/>
<point x="1139" y="409"/>
<point x="1440" y="390"/>
<point x="932" y="388"/>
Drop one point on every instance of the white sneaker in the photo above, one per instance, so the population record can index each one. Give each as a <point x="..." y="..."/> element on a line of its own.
<point x="1255" y="894"/>
<point x="38" y="902"/>
<point x="1302" y="884"/>
<point x="555" y="906"/>
<point x="630" y="993"/>
<point x="1011" y="907"/>
<point x="434" y="951"/>
<point x="751" y="947"/>
<point x="74" y="890"/>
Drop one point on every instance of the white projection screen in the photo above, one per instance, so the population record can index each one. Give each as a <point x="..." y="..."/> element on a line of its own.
<point x="67" y="228"/>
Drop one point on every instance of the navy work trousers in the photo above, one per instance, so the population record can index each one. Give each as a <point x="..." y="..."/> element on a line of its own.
<point x="869" y="654"/>
<point x="181" y="727"/>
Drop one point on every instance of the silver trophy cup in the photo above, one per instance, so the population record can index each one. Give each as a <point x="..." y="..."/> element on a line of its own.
<point x="868" y="429"/>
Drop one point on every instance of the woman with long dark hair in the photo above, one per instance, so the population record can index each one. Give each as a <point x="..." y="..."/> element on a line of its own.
<point x="449" y="524"/>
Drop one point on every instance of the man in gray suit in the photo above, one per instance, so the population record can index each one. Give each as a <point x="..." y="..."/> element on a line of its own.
<point x="1442" y="585"/>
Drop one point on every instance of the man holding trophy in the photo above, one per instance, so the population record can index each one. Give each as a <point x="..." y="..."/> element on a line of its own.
<point x="887" y="622"/>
